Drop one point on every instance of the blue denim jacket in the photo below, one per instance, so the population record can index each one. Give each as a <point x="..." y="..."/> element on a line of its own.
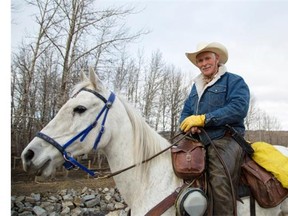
<point x="225" y="100"/>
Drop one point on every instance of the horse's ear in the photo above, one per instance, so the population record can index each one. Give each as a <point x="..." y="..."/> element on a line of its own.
<point x="94" y="79"/>
<point x="83" y="76"/>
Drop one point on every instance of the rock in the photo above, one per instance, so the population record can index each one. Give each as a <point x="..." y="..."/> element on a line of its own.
<point x="108" y="198"/>
<point x="67" y="197"/>
<point x="110" y="207"/>
<point x="84" y="190"/>
<point x="77" y="211"/>
<point x="88" y="197"/>
<point x="119" y="205"/>
<point x="20" y="199"/>
<point x="26" y="213"/>
<point x="36" y="197"/>
<point x="30" y="199"/>
<point x="65" y="211"/>
<point x="92" y="203"/>
<point x="39" y="211"/>
<point x="68" y="204"/>
<point x="86" y="201"/>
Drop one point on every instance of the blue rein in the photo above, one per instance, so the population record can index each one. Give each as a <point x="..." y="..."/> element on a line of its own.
<point x="70" y="162"/>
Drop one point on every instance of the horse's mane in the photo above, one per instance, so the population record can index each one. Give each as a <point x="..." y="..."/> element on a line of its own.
<point x="146" y="140"/>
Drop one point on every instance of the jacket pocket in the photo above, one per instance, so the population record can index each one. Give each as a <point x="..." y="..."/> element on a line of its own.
<point x="217" y="95"/>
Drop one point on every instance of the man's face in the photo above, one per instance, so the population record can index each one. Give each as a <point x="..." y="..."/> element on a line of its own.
<point x="207" y="62"/>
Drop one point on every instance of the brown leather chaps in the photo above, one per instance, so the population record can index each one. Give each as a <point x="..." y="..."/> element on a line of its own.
<point x="220" y="191"/>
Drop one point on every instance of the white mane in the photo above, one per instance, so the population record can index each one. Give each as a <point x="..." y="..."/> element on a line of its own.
<point x="146" y="140"/>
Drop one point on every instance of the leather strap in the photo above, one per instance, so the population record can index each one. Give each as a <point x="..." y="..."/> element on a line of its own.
<point x="252" y="205"/>
<point x="146" y="160"/>
<point x="166" y="203"/>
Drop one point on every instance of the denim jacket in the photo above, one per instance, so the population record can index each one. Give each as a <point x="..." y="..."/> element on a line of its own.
<point x="224" y="100"/>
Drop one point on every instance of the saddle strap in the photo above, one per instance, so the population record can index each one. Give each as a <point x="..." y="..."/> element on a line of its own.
<point x="165" y="204"/>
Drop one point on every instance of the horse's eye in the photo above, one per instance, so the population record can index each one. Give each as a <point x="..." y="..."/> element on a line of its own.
<point x="80" y="109"/>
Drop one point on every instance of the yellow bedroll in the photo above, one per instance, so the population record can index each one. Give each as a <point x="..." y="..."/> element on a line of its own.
<point x="267" y="156"/>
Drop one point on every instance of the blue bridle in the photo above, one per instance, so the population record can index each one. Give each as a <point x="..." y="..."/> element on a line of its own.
<point x="70" y="162"/>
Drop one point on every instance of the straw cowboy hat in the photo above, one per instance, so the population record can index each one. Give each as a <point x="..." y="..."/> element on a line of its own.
<point x="214" y="47"/>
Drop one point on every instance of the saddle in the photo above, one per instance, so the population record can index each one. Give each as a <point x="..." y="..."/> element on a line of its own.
<point x="264" y="187"/>
<point x="255" y="181"/>
<point x="188" y="160"/>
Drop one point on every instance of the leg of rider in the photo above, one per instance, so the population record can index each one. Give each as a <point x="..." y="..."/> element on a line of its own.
<point x="230" y="152"/>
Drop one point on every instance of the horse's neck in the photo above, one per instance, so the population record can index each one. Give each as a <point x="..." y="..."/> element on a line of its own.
<point x="141" y="193"/>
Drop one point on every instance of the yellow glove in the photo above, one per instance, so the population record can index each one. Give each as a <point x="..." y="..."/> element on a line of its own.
<point x="192" y="121"/>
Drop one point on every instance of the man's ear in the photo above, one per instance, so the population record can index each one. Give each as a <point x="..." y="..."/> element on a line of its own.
<point x="217" y="58"/>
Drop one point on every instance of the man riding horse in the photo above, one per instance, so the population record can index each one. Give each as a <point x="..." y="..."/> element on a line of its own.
<point x="217" y="98"/>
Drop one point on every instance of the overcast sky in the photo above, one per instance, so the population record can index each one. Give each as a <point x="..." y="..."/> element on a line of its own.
<point x="254" y="32"/>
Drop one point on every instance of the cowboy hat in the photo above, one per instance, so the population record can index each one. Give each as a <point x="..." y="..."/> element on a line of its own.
<point x="214" y="47"/>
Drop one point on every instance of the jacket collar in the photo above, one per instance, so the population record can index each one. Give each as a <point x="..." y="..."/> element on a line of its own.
<point x="200" y="83"/>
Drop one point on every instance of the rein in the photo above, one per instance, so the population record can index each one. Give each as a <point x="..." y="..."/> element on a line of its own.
<point x="148" y="159"/>
<point x="70" y="162"/>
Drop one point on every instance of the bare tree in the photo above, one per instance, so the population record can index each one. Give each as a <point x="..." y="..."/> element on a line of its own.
<point x="258" y="119"/>
<point x="79" y="31"/>
<point x="134" y="77"/>
<point x="70" y="34"/>
<point x="121" y="74"/>
<point x="25" y="78"/>
<point x="162" y="108"/>
<point x="251" y="117"/>
<point x="177" y="94"/>
<point x="152" y="85"/>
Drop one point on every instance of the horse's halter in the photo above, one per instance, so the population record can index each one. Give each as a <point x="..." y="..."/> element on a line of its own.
<point x="70" y="162"/>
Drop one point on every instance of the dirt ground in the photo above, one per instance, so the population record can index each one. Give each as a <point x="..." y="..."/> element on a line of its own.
<point x="24" y="184"/>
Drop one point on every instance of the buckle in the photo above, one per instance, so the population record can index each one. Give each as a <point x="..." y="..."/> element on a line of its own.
<point x="68" y="165"/>
<point x="108" y="104"/>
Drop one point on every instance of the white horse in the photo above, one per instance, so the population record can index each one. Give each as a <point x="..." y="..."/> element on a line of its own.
<point x="126" y="140"/>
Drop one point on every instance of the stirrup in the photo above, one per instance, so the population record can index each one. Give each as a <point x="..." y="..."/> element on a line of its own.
<point x="191" y="202"/>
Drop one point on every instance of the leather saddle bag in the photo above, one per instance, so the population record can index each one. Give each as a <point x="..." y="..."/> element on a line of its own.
<point x="188" y="158"/>
<point x="265" y="188"/>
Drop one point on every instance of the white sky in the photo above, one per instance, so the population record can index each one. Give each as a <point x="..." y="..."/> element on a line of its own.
<point x="254" y="32"/>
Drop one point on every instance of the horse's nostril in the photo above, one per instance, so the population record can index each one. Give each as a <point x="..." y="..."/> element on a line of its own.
<point x="29" y="155"/>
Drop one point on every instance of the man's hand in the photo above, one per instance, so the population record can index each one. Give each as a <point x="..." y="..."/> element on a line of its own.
<point x="192" y="121"/>
<point x="195" y="130"/>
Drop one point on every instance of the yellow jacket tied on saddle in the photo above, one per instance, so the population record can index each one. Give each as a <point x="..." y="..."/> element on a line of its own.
<point x="267" y="156"/>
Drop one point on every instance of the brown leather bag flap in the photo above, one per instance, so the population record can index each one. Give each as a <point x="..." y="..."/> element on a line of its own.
<point x="185" y="146"/>
<point x="257" y="171"/>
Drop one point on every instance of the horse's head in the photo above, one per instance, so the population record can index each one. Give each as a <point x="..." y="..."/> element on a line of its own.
<point x="74" y="131"/>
